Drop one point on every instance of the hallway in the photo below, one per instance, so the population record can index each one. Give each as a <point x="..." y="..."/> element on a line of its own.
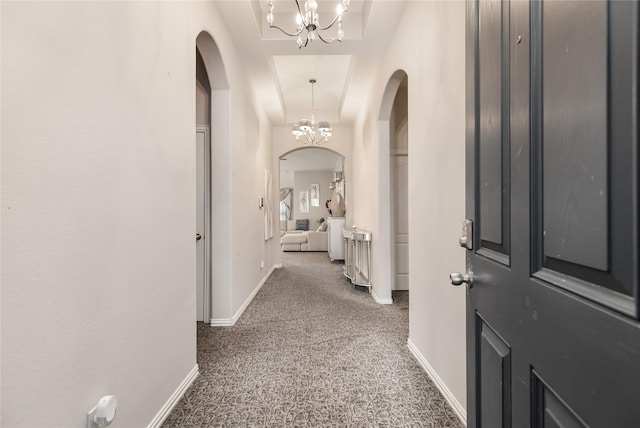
<point x="311" y="350"/>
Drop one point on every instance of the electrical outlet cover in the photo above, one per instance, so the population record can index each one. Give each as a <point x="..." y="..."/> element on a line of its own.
<point x="90" y="415"/>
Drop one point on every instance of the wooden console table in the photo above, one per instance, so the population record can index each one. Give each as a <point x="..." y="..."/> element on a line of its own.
<point x="357" y="250"/>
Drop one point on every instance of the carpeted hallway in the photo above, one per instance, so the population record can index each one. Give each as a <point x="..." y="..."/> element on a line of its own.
<point x="311" y="350"/>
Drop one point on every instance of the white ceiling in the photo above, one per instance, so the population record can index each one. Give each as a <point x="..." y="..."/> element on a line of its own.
<point x="327" y="92"/>
<point x="279" y="72"/>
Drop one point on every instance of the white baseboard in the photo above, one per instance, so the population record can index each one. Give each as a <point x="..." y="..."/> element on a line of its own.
<point x="278" y="265"/>
<point x="458" y="408"/>
<point x="221" y="322"/>
<point x="164" y="412"/>
<point x="228" y="322"/>
<point x="380" y="301"/>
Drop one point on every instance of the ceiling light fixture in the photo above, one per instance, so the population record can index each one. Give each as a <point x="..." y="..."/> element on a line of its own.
<point x="309" y="21"/>
<point x="307" y="128"/>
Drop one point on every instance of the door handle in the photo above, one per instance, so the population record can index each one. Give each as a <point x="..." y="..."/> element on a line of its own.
<point x="198" y="237"/>
<point x="458" y="278"/>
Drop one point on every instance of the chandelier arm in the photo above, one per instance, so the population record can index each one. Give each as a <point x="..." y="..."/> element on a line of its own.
<point x="312" y="26"/>
<point x="328" y="41"/>
<point x="302" y="17"/>
<point x="288" y="34"/>
<point x="331" y="24"/>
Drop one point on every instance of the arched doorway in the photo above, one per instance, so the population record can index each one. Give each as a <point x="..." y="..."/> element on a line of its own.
<point x="393" y="112"/>
<point x="315" y="173"/>
<point x="312" y="165"/>
<point x="215" y="262"/>
<point x="203" y="191"/>
<point x="399" y="185"/>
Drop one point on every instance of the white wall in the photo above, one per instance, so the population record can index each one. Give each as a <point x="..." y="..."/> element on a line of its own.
<point x="250" y="157"/>
<point x="98" y="204"/>
<point x="433" y="59"/>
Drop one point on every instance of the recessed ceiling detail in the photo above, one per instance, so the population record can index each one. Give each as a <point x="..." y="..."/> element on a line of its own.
<point x="293" y="73"/>
<point x="278" y="72"/>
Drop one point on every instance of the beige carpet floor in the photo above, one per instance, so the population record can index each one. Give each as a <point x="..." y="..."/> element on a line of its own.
<point x="311" y="350"/>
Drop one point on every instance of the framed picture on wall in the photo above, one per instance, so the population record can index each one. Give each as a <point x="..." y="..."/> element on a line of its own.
<point x="304" y="201"/>
<point x="315" y="195"/>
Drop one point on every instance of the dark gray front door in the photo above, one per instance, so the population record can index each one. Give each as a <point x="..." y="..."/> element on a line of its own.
<point x="552" y="188"/>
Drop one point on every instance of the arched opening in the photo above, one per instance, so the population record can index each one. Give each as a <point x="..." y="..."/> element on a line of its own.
<point x="399" y="185"/>
<point x="203" y="191"/>
<point x="216" y="294"/>
<point x="310" y="179"/>
<point x="393" y="112"/>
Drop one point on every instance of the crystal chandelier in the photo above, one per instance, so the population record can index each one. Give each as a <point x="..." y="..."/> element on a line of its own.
<point x="309" y="21"/>
<point x="307" y="127"/>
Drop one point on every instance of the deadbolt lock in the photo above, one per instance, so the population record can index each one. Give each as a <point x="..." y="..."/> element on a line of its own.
<point x="466" y="240"/>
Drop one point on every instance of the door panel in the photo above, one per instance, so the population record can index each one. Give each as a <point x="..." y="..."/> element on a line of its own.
<point x="493" y="208"/>
<point x="582" y="124"/>
<point x="574" y="132"/>
<point x="494" y="377"/>
<point x="549" y="410"/>
<point x="553" y="337"/>
<point x="490" y="123"/>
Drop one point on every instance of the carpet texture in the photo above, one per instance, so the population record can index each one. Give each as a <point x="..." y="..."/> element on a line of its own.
<point x="311" y="351"/>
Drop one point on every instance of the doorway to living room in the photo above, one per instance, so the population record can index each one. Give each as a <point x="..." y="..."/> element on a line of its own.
<point x="312" y="200"/>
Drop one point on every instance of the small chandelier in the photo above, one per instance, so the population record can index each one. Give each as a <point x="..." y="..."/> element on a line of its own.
<point x="307" y="128"/>
<point x="309" y="21"/>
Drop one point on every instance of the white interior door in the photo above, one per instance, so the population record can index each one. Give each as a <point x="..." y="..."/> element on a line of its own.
<point x="400" y="210"/>
<point x="202" y="213"/>
<point x="401" y="222"/>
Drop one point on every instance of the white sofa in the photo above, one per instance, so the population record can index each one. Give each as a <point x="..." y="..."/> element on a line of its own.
<point x="302" y="240"/>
